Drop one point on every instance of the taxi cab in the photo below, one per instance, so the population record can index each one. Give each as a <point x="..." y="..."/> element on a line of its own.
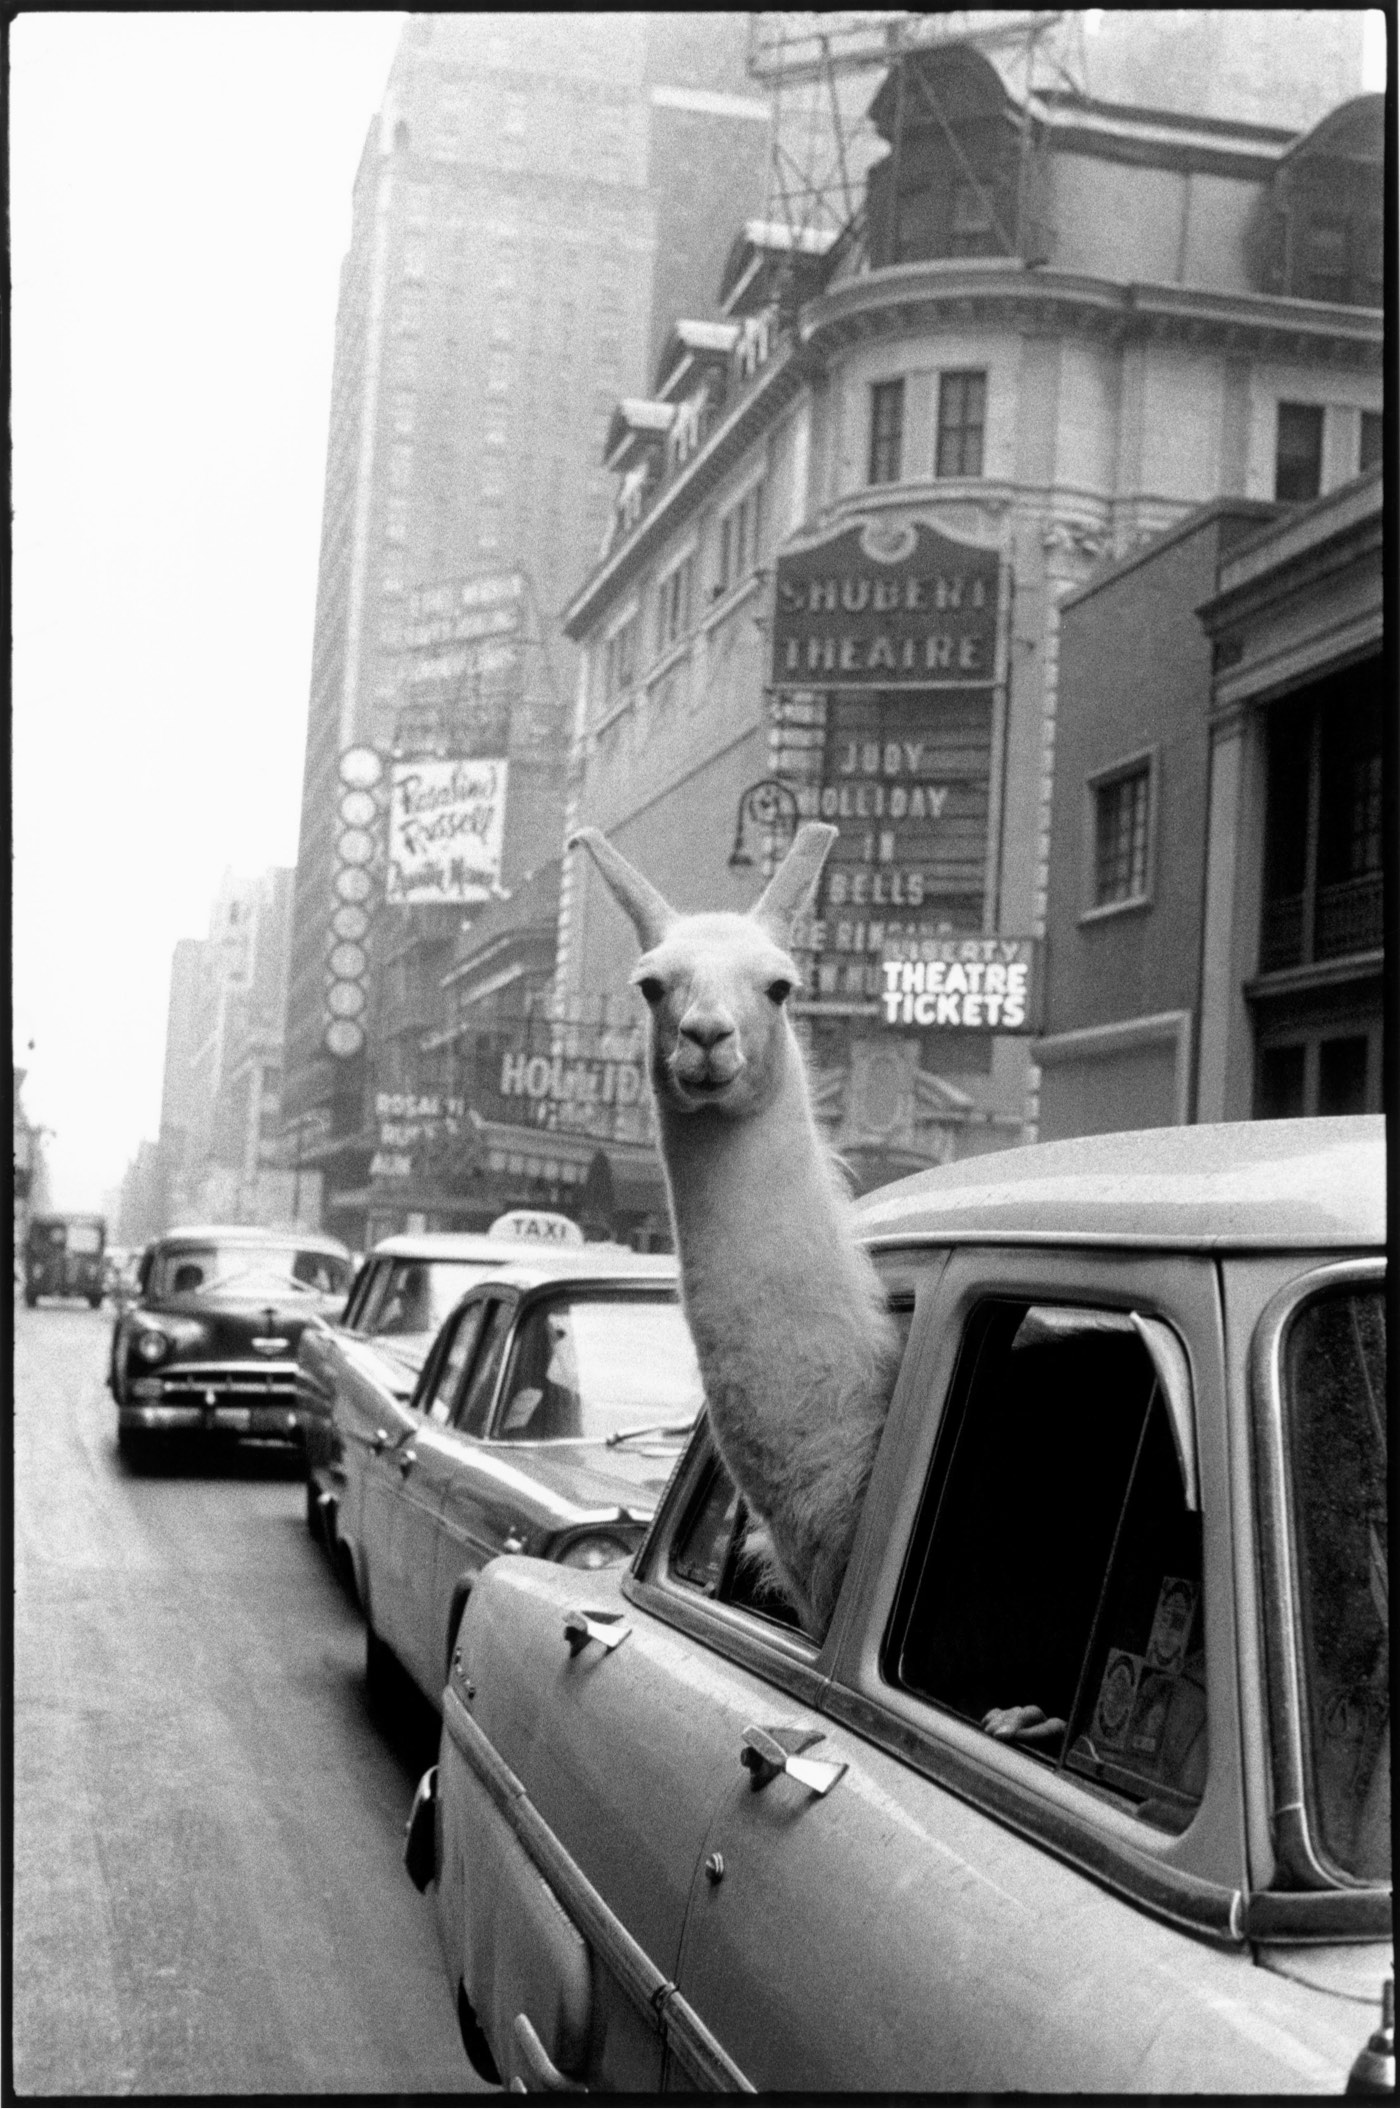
<point x="1086" y="1788"/>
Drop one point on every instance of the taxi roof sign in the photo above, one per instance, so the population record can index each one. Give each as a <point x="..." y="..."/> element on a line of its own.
<point x="537" y="1226"/>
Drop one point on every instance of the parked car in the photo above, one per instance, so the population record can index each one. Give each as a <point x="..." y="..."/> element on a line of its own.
<point x="1086" y="1787"/>
<point x="63" y="1257"/>
<point x="209" y="1345"/>
<point x="546" y="1420"/>
<point x="357" y="1369"/>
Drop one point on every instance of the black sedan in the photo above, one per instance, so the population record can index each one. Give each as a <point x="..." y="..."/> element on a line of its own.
<point x="209" y="1346"/>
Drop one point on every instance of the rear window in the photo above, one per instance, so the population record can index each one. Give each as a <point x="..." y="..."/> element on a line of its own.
<point x="1334" y="1405"/>
<point x="413" y="1297"/>
<point x="85" y="1238"/>
<point x="593" y="1367"/>
<point x="248" y="1270"/>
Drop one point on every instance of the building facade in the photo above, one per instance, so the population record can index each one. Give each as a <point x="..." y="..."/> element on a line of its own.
<point x="531" y="189"/>
<point x="851" y="507"/>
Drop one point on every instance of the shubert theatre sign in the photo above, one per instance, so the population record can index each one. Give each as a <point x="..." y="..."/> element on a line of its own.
<point x="884" y="681"/>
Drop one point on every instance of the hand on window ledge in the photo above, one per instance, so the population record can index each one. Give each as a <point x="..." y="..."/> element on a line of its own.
<point x="1022" y="1724"/>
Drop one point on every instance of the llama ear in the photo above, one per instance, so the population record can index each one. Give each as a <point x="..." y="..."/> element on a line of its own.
<point x="790" y="887"/>
<point x="651" y="915"/>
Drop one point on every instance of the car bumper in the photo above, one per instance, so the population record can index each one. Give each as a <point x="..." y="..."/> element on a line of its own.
<point x="254" y="1399"/>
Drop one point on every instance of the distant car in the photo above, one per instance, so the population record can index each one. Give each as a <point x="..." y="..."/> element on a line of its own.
<point x="63" y="1256"/>
<point x="354" y="1370"/>
<point x="208" y="1347"/>
<point x="1086" y="1789"/>
<point x="546" y="1420"/>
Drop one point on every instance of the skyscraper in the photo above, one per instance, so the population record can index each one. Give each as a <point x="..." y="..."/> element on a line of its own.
<point x="537" y="197"/>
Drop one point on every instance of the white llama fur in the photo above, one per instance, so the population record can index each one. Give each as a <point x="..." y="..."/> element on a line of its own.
<point x="796" y="1347"/>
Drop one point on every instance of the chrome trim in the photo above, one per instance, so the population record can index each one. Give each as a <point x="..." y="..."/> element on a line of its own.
<point x="1300" y="1861"/>
<point x="655" y="1997"/>
<point x="780" y="1656"/>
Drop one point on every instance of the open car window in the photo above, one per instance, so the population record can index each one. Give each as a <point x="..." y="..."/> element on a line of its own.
<point x="711" y="1553"/>
<point x="1053" y="1596"/>
<point x="447" y="1370"/>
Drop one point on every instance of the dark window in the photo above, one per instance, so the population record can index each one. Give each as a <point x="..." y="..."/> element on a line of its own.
<point x="1327" y="258"/>
<point x="962" y="415"/>
<point x="475" y="1406"/>
<point x="1372" y="439"/>
<point x="1298" y="461"/>
<point x="1323" y="823"/>
<point x="1334" y="1385"/>
<point x="886" y="431"/>
<point x="1053" y="1596"/>
<point x="1281" y="1082"/>
<point x="1324" y="1067"/>
<point x="710" y="1554"/>
<point x="1121" y="809"/>
<point x="440" y="1395"/>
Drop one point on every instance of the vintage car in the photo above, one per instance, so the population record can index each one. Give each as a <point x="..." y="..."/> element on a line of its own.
<point x="546" y="1420"/>
<point x="63" y="1256"/>
<point x="352" y="1369"/>
<point x="208" y="1347"/>
<point x="1086" y="1787"/>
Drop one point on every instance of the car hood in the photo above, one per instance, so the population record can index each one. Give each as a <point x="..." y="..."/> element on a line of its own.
<point x="591" y="1476"/>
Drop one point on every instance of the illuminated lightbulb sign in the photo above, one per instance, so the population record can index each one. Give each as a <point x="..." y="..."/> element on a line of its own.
<point x="361" y="771"/>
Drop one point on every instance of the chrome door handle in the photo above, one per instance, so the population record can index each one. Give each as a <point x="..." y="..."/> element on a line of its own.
<point x="378" y="1441"/>
<point x="407" y="1458"/>
<point x="608" y="1628"/>
<point x="542" y="2076"/>
<point x="765" y="1756"/>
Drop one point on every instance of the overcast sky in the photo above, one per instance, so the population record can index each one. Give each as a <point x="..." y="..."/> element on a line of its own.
<point x="180" y="204"/>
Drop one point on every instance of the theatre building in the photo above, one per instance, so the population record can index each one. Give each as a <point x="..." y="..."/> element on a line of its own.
<point x="849" y="512"/>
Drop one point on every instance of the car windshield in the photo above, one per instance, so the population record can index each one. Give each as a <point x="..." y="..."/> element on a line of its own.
<point x="249" y="1270"/>
<point x="84" y="1238"/>
<point x="1334" y="1398"/>
<point x="589" y="1367"/>
<point x="415" y="1296"/>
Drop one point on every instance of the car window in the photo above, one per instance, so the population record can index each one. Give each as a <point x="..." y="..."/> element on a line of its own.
<point x="415" y="1296"/>
<point x="366" y="1281"/>
<point x="474" y="1407"/>
<point x="599" y="1368"/>
<point x="438" y="1399"/>
<point x="1334" y="1406"/>
<point x="712" y="1555"/>
<point x="1053" y="1595"/>
<point x="248" y="1270"/>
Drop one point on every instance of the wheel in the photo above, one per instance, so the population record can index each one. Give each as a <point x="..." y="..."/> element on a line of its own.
<point x="134" y="1445"/>
<point x="31" y="1297"/>
<point x="95" y="1302"/>
<point x="313" y="1511"/>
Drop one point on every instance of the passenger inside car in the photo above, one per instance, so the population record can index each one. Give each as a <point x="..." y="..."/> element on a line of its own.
<point x="409" y="1307"/>
<point x="187" y="1279"/>
<point x="544" y="1404"/>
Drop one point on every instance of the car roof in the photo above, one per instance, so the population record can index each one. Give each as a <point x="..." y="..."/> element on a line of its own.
<point x="1244" y="1185"/>
<point x="252" y="1234"/>
<point x="585" y="1264"/>
<point x="453" y="1245"/>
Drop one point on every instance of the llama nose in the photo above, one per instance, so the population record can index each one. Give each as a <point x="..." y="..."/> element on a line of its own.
<point x="706" y="1028"/>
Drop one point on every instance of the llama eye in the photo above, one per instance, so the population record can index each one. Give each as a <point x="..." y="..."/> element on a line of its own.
<point x="652" y="989"/>
<point x="778" y="991"/>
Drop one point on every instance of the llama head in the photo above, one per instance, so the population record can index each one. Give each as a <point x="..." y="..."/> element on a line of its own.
<point x="716" y="984"/>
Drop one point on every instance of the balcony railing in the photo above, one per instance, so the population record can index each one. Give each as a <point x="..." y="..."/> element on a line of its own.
<point x="1349" y="918"/>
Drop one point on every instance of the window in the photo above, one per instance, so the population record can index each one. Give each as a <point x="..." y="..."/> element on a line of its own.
<point x="1323" y="822"/>
<point x="1327" y="257"/>
<point x="738" y="540"/>
<point x="600" y="1369"/>
<point x="1372" y="440"/>
<point x="1334" y="1398"/>
<point x="886" y="431"/>
<point x="709" y="1556"/>
<point x="673" y="606"/>
<point x="473" y="1412"/>
<point x="620" y="663"/>
<point x="972" y="218"/>
<point x="1053" y="1596"/>
<point x="440" y="1395"/>
<point x="962" y="416"/>
<point x="1298" y="460"/>
<point x="1122" y="810"/>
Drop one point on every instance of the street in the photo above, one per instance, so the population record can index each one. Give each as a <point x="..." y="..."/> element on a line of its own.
<point x="209" y="1896"/>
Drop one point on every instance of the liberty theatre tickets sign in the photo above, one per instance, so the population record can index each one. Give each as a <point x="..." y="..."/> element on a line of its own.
<point x="446" y="824"/>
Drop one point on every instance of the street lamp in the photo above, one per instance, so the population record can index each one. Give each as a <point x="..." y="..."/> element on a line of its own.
<point x="769" y="804"/>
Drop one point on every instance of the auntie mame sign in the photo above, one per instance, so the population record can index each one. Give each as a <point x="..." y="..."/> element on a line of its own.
<point x="881" y="606"/>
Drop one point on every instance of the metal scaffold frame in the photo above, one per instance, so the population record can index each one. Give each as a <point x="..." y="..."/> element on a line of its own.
<point x="822" y="71"/>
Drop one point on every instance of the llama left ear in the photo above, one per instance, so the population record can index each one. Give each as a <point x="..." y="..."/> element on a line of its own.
<point x="790" y="887"/>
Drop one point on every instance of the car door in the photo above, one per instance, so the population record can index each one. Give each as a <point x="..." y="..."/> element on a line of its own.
<point x="426" y="1461"/>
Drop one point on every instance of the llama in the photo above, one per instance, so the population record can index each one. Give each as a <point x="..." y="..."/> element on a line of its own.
<point x="796" y="1348"/>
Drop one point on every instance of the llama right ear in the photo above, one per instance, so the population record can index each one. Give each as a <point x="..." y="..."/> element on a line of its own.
<point x="651" y="915"/>
<point x="788" y="890"/>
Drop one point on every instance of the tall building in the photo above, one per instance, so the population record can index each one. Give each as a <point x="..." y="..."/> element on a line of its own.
<point x="537" y="195"/>
<point x="847" y="520"/>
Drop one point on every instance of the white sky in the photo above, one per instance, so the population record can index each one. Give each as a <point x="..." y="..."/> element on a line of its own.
<point x="180" y="204"/>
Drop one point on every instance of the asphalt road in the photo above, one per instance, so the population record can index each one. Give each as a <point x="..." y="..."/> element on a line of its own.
<point x="209" y="1896"/>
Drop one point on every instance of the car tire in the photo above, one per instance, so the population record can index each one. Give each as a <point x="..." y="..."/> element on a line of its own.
<point x="134" y="1445"/>
<point x="30" y="1298"/>
<point x="95" y="1302"/>
<point x="313" y="1512"/>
